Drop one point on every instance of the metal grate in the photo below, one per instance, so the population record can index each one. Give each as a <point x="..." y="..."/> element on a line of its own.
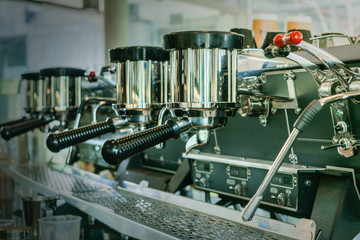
<point x="57" y="180"/>
<point x="171" y="219"/>
<point x="177" y="221"/>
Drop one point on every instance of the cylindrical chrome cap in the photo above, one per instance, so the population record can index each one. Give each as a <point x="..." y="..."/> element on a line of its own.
<point x="141" y="79"/>
<point x="203" y="70"/>
<point x="62" y="88"/>
<point x="34" y="92"/>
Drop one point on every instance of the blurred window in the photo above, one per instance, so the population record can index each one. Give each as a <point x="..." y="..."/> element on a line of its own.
<point x="13" y="51"/>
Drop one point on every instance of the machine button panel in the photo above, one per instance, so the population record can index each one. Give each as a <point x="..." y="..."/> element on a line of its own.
<point x="241" y="182"/>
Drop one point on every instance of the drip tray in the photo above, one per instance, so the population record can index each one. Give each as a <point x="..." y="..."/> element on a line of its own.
<point x="146" y="213"/>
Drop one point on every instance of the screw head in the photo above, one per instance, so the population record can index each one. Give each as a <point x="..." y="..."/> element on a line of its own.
<point x="273" y="111"/>
<point x="217" y="149"/>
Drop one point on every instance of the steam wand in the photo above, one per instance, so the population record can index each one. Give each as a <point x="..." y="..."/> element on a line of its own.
<point x="303" y="120"/>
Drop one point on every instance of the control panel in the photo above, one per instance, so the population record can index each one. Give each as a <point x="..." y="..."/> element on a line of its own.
<point x="292" y="189"/>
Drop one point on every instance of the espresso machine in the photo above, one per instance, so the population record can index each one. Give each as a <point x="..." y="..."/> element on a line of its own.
<point x="54" y="95"/>
<point x="34" y="106"/>
<point x="201" y="92"/>
<point x="63" y="92"/>
<point x="235" y="170"/>
<point x="34" y="93"/>
<point x="141" y="74"/>
<point x="231" y="110"/>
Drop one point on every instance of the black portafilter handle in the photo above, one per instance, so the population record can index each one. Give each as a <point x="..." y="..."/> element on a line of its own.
<point x="12" y="122"/>
<point x="58" y="141"/>
<point x="114" y="151"/>
<point x="9" y="132"/>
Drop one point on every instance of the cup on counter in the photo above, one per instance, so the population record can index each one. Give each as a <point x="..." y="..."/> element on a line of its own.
<point x="263" y="23"/>
<point x="32" y="211"/>
<point x="61" y="227"/>
<point x="298" y="22"/>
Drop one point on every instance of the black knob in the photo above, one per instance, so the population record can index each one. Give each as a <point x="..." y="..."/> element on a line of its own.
<point x="273" y="51"/>
<point x="115" y="151"/>
<point x="58" y="141"/>
<point x="338" y="128"/>
<point x="9" y="132"/>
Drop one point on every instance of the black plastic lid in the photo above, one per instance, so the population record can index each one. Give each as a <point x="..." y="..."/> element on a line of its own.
<point x="30" y="76"/>
<point x="249" y="41"/>
<point x="139" y="53"/>
<point x="269" y="39"/>
<point x="203" y="39"/>
<point x="57" y="72"/>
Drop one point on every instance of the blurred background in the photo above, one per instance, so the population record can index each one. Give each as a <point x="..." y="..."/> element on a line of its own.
<point x="77" y="33"/>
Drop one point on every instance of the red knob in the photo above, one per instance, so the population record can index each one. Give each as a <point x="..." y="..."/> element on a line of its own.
<point x="92" y="74"/>
<point x="292" y="38"/>
<point x="278" y="40"/>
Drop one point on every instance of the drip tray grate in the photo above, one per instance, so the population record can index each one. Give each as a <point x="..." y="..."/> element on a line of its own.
<point x="168" y="218"/>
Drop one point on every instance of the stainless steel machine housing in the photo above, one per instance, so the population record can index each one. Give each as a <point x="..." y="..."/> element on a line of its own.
<point x="142" y="73"/>
<point x="62" y="89"/>
<point x="203" y="72"/>
<point x="34" y="93"/>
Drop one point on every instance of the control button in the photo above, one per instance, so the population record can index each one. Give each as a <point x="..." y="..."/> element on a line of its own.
<point x="280" y="199"/>
<point x="237" y="189"/>
<point x="288" y="203"/>
<point x="273" y="190"/>
<point x="230" y="181"/>
<point x="202" y="181"/>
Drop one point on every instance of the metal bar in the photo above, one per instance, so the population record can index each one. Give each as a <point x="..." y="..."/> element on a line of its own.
<point x="254" y="202"/>
<point x="288" y="127"/>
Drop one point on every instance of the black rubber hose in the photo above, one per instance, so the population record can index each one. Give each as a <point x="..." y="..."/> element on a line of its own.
<point x="308" y="114"/>
<point x="58" y="141"/>
<point x="114" y="151"/>
<point x="9" y="132"/>
<point x="13" y="122"/>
